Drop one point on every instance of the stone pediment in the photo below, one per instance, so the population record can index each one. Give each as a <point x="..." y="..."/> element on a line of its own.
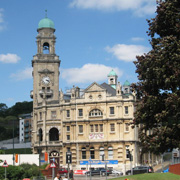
<point x="94" y="87"/>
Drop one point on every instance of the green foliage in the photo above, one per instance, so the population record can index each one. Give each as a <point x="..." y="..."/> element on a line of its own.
<point x="30" y="170"/>
<point x="21" y="108"/>
<point x="9" y="117"/>
<point x="43" y="166"/>
<point x="13" y="172"/>
<point x="158" y="89"/>
<point x="5" y="133"/>
<point x="151" y="176"/>
<point x="19" y="151"/>
<point x="19" y="172"/>
<point x="3" y="109"/>
<point x="2" y="152"/>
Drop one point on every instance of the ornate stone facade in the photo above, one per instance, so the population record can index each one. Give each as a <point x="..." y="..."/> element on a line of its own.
<point x="89" y="122"/>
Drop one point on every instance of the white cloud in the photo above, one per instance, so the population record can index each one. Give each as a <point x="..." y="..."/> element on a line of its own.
<point x="9" y="58"/>
<point x="88" y="73"/>
<point x="140" y="7"/>
<point x="137" y="39"/>
<point x="148" y="8"/>
<point x="23" y="74"/>
<point x="125" y="52"/>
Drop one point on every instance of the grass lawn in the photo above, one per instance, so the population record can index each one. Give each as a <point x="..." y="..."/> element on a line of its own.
<point x="151" y="176"/>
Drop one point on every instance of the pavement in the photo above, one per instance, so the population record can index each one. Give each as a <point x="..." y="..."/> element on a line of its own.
<point x="158" y="168"/>
<point x="83" y="177"/>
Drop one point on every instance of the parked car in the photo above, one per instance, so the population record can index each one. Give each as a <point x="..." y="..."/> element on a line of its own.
<point x="99" y="171"/>
<point x="140" y="170"/>
<point x="110" y="170"/>
<point x="116" y="172"/>
<point x="63" y="171"/>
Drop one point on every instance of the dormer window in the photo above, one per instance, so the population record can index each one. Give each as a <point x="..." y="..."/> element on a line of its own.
<point x="95" y="112"/>
<point x="46" y="48"/>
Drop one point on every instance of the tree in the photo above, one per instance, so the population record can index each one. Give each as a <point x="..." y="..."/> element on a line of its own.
<point x="158" y="89"/>
<point x="9" y="118"/>
<point x="3" y="109"/>
<point x="21" y="108"/>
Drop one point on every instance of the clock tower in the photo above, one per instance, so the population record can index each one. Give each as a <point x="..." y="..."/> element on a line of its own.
<point x="45" y="65"/>
<point x="45" y="92"/>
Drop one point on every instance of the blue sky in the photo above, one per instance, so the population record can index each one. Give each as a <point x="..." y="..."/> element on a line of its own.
<point x="93" y="37"/>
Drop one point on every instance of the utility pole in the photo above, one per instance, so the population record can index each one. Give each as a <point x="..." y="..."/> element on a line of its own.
<point x="103" y="159"/>
<point x="13" y="143"/>
<point x="68" y="160"/>
<point x="90" y="168"/>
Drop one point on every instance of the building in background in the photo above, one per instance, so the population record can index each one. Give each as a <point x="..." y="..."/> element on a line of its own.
<point x="92" y="124"/>
<point x="25" y="128"/>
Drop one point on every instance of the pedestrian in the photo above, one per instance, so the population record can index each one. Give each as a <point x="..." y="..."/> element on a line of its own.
<point x="65" y="178"/>
<point x="58" y="177"/>
<point x="71" y="177"/>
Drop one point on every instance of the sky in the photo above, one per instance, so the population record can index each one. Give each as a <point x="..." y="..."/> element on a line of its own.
<point x="93" y="37"/>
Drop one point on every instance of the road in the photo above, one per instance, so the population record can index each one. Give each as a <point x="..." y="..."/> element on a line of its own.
<point x="83" y="177"/>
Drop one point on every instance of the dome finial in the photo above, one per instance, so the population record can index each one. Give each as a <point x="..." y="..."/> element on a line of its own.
<point x="46" y="13"/>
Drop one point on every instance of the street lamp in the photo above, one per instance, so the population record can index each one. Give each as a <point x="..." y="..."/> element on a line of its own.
<point x="103" y="159"/>
<point x="39" y="152"/>
<point x="13" y="143"/>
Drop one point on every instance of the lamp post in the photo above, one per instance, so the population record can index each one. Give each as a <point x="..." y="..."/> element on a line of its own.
<point x="39" y="152"/>
<point x="90" y="168"/>
<point x="140" y="155"/>
<point x="13" y="143"/>
<point x="103" y="159"/>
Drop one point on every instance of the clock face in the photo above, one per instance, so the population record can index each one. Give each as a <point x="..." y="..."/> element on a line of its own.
<point x="46" y="80"/>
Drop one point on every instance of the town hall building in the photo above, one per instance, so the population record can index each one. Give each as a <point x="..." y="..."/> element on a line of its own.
<point x="89" y="123"/>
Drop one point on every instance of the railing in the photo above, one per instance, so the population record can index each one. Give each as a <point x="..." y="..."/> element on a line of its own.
<point x="26" y="124"/>
<point x="26" y="130"/>
<point x="27" y="136"/>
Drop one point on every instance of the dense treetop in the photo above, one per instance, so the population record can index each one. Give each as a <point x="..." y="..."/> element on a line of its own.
<point x="158" y="107"/>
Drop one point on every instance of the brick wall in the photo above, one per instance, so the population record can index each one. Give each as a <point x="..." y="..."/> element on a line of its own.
<point x="48" y="171"/>
<point x="175" y="169"/>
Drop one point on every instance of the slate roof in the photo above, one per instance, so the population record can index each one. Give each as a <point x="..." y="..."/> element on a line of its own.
<point x="109" y="89"/>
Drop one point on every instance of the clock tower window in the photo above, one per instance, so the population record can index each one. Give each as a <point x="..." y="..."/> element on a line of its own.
<point x="46" y="48"/>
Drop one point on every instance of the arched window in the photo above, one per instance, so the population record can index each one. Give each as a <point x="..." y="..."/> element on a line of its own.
<point x="92" y="153"/>
<point x="101" y="153"/>
<point x="83" y="153"/>
<point x="40" y="135"/>
<point x="110" y="153"/>
<point x="53" y="134"/>
<point x="95" y="112"/>
<point x="46" y="48"/>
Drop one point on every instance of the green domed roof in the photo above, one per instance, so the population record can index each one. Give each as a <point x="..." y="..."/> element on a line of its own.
<point x="126" y="83"/>
<point x="46" y="23"/>
<point x="112" y="73"/>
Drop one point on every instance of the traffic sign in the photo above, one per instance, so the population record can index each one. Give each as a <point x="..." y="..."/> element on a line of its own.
<point x="52" y="165"/>
<point x="5" y="164"/>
